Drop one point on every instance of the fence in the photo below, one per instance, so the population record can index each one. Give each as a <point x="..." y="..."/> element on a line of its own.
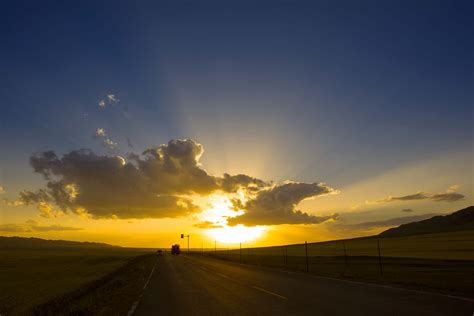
<point x="397" y="259"/>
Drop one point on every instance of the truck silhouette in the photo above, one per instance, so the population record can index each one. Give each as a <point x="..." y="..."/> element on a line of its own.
<point x="175" y="249"/>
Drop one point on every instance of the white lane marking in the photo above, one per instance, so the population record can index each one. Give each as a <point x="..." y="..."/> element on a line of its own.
<point x="135" y="304"/>
<point x="133" y="308"/>
<point x="149" y="277"/>
<point x="223" y="275"/>
<point x="269" y="292"/>
<point x="348" y="281"/>
<point x="380" y="286"/>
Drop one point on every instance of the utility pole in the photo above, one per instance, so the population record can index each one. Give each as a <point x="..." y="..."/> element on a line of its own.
<point x="182" y="236"/>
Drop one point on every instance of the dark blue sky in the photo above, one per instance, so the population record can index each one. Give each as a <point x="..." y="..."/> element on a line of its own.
<point x="334" y="91"/>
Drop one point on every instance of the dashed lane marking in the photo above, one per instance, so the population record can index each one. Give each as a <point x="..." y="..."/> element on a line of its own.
<point x="269" y="292"/>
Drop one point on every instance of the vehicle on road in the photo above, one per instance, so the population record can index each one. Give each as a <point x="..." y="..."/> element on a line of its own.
<point x="175" y="249"/>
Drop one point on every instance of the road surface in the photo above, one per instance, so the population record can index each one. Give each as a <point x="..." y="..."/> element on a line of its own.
<point x="193" y="285"/>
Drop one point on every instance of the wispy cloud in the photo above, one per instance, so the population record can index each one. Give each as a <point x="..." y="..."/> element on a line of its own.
<point x="109" y="144"/>
<point x="112" y="99"/>
<point x="367" y="226"/>
<point x="33" y="226"/>
<point x="450" y="195"/>
<point x="2" y="190"/>
<point x="207" y="224"/>
<point x="129" y="143"/>
<point x="407" y="210"/>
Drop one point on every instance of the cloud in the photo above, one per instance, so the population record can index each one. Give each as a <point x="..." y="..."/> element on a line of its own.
<point x="109" y="144"/>
<point x="367" y="226"/>
<point x="230" y="183"/>
<point x="112" y="98"/>
<point x="207" y="224"/>
<point x="2" y="190"/>
<point x="129" y="143"/>
<point x="407" y="210"/>
<point x="277" y="205"/>
<point x="9" y="202"/>
<point x="410" y="197"/>
<point x="102" y="104"/>
<point x="33" y="226"/>
<point x="160" y="182"/>
<point x="100" y="132"/>
<point x="47" y="210"/>
<point x="449" y="196"/>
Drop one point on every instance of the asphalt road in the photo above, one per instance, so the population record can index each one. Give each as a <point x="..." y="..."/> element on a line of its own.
<point x="193" y="285"/>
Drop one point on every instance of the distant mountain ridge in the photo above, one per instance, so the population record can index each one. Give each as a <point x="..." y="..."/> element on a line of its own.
<point x="457" y="221"/>
<point x="38" y="243"/>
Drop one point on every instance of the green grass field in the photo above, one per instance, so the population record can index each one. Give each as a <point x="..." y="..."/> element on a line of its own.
<point x="441" y="262"/>
<point x="32" y="277"/>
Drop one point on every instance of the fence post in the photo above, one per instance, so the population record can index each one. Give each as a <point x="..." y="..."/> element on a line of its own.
<point x="286" y="255"/>
<point x="283" y="252"/>
<point x="306" y="251"/>
<point x="345" y="253"/>
<point x="240" y="252"/>
<point x="380" y="258"/>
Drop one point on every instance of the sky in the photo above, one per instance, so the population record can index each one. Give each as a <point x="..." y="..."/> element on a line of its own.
<point x="262" y="123"/>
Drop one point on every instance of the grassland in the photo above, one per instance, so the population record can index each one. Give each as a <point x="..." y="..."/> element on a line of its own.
<point x="441" y="262"/>
<point x="29" y="278"/>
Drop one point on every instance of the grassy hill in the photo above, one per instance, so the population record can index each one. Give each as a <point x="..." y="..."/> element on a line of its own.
<point x="37" y="243"/>
<point x="461" y="220"/>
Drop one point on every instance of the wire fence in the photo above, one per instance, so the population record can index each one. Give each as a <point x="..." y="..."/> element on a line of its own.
<point x="406" y="258"/>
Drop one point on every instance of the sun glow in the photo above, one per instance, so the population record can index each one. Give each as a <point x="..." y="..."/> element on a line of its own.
<point x="220" y="208"/>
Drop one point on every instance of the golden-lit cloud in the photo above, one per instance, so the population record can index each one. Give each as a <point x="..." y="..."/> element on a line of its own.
<point x="450" y="195"/>
<point x="163" y="181"/>
<point x="33" y="226"/>
<point x="277" y="205"/>
<point x="208" y="224"/>
<point x="2" y="190"/>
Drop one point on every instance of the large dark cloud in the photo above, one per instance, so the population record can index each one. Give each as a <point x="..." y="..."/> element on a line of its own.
<point x="156" y="184"/>
<point x="277" y="205"/>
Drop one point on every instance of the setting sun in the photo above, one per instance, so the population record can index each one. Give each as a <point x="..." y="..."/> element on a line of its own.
<point x="215" y="218"/>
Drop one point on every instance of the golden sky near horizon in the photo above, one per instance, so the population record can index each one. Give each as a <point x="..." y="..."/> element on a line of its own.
<point x="282" y="213"/>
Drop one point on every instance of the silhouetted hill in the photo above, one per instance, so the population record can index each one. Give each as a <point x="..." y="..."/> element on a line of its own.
<point x="37" y="243"/>
<point x="457" y="221"/>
